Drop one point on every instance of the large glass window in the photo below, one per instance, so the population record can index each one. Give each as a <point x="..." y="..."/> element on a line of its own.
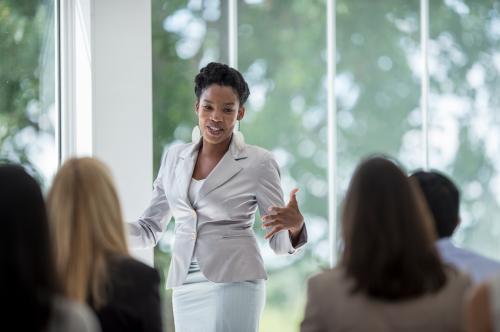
<point x="377" y="83"/>
<point x="465" y="112"/>
<point x="286" y="114"/>
<point x="186" y="36"/>
<point x="27" y="86"/>
<point x="282" y="53"/>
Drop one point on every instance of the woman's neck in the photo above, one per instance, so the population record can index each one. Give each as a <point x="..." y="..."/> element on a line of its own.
<point x="214" y="150"/>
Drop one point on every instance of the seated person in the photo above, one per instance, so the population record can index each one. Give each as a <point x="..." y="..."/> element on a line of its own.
<point x="389" y="277"/>
<point x="443" y="199"/>
<point x="28" y="282"/>
<point x="91" y="250"/>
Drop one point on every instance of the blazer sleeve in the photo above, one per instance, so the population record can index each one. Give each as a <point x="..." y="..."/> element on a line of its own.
<point x="313" y="320"/>
<point x="146" y="231"/>
<point x="269" y="194"/>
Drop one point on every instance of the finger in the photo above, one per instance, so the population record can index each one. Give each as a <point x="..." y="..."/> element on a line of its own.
<point x="273" y="223"/>
<point x="293" y="198"/>
<point x="269" y="217"/>
<point x="272" y="232"/>
<point x="275" y="209"/>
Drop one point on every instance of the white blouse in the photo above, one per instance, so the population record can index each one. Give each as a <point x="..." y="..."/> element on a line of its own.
<point x="193" y="192"/>
<point x="194" y="189"/>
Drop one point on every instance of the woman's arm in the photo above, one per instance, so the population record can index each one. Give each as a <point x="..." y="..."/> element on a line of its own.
<point x="146" y="231"/>
<point x="284" y="224"/>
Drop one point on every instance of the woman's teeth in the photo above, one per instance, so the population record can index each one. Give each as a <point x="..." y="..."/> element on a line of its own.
<point x="214" y="130"/>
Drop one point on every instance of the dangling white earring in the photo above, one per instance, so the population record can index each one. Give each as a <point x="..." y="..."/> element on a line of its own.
<point x="196" y="134"/>
<point x="238" y="137"/>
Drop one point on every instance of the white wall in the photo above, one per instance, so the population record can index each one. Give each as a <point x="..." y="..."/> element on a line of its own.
<point x="109" y="86"/>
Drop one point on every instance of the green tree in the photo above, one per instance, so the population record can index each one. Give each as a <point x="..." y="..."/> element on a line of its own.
<point x="25" y="30"/>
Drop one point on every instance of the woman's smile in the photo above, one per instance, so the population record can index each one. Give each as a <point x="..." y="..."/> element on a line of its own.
<point x="215" y="131"/>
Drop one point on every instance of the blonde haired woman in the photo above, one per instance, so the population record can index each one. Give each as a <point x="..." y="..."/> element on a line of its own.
<point x="91" y="250"/>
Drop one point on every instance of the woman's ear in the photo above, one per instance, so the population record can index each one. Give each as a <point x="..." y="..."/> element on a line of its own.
<point x="241" y="113"/>
<point x="196" y="105"/>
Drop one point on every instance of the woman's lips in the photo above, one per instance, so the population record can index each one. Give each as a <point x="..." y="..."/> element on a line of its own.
<point x="215" y="131"/>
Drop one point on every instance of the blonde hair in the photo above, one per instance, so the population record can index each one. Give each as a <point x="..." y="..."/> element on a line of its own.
<point x="87" y="228"/>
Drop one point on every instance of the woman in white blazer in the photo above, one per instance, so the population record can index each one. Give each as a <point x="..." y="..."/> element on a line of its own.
<point x="213" y="187"/>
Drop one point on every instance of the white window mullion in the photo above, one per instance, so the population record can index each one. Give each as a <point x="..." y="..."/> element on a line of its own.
<point x="57" y="81"/>
<point x="66" y="67"/>
<point x="233" y="33"/>
<point x="424" y="99"/>
<point x="332" y="133"/>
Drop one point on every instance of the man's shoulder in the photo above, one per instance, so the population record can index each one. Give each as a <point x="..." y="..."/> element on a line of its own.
<point x="448" y="250"/>
<point x="477" y="265"/>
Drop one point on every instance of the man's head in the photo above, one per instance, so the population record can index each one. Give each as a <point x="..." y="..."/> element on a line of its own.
<point x="443" y="199"/>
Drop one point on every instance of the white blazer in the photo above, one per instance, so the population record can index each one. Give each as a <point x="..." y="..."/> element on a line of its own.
<point x="218" y="227"/>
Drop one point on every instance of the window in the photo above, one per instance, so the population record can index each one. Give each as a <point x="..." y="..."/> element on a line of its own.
<point x="377" y="83"/>
<point x="464" y="128"/>
<point x="27" y="86"/>
<point x="186" y="36"/>
<point x="286" y="114"/>
<point x="189" y="34"/>
<point x="282" y="52"/>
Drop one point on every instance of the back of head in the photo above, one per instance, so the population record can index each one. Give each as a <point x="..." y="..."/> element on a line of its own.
<point x="87" y="227"/>
<point x="27" y="280"/>
<point x="443" y="199"/>
<point x="388" y="235"/>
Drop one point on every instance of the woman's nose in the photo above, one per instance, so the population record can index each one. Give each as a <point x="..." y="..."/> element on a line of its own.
<point x="216" y="116"/>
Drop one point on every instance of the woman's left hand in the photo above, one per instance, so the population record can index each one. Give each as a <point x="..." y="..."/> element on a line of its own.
<point x="288" y="217"/>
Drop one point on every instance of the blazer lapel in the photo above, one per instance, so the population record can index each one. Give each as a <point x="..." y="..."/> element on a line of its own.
<point x="184" y="170"/>
<point x="226" y="169"/>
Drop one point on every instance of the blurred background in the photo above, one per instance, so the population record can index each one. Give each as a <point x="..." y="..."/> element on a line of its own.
<point x="282" y="52"/>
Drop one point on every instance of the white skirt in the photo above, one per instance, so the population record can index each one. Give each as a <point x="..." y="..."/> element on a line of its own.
<point x="200" y="305"/>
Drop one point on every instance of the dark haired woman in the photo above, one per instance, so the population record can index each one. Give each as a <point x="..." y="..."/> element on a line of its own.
<point x="28" y="282"/>
<point x="213" y="187"/>
<point x="390" y="277"/>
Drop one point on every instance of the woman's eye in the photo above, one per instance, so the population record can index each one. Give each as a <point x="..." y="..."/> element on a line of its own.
<point x="228" y="110"/>
<point x="207" y="108"/>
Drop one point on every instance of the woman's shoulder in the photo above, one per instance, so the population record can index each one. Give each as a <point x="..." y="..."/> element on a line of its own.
<point x="128" y="267"/>
<point x="257" y="151"/>
<point x="177" y="148"/>
<point x="260" y="157"/>
<point x="329" y="278"/>
<point x="330" y="288"/>
<point x="72" y="316"/>
<point x="130" y="280"/>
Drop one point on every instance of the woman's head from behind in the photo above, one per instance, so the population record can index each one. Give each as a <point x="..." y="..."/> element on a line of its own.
<point x="388" y="235"/>
<point x="87" y="227"/>
<point x="27" y="280"/>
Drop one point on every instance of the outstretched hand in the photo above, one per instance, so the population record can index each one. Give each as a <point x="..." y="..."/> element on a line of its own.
<point x="288" y="217"/>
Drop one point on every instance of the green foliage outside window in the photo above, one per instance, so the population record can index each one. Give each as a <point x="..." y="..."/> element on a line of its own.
<point x="27" y="65"/>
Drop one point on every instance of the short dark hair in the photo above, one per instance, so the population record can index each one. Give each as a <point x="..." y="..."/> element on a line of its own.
<point x="28" y="277"/>
<point x="443" y="199"/>
<point x="388" y="235"/>
<point x="223" y="75"/>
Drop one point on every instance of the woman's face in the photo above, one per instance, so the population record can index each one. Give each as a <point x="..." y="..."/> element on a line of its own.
<point x="218" y="111"/>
